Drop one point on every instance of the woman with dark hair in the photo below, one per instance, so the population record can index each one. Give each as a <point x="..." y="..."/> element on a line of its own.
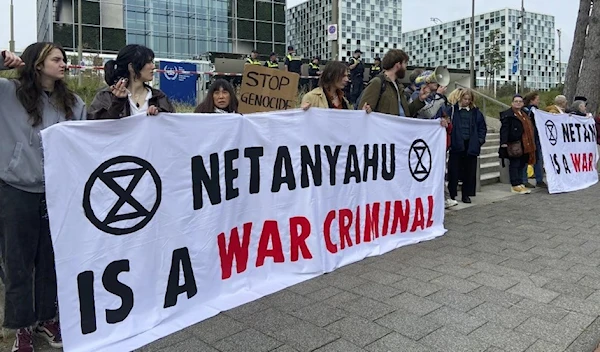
<point x="517" y="143"/>
<point x="128" y="92"/>
<point x="220" y="98"/>
<point x="330" y="93"/>
<point x="37" y="99"/>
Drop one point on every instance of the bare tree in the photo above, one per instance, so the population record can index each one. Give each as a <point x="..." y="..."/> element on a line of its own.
<point x="587" y="85"/>
<point x="576" y="57"/>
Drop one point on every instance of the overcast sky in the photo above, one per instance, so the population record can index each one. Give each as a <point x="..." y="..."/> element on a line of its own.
<point x="415" y="14"/>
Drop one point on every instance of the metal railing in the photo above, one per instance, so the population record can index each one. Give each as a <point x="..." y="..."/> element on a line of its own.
<point x="486" y="98"/>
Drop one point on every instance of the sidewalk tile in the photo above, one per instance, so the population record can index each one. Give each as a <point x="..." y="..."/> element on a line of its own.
<point x="455" y="319"/>
<point x="382" y="277"/>
<point x="529" y="290"/>
<point x="414" y="304"/>
<point x="491" y="280"/>
<point x="320" y="314"/>
<point x="455" y="283"/>
<point x="544" y="346"/>
<point x="190" y="345"/>
<point x="417" y="287"/>
<point x="490" y="294"/>
<point x="216" y="328"/>
<point x="569" y="289"/>
<point x="460" y="301"/>
<point x="499" y="315"/>
<point x="408" y="324"/>
<point x="376" y="291"/>
<point x="503" y="338"/>
<point x="248" y="341"/>
<point x="305" y="337"/>
<point x="395" y="342"/>
<point x="367" y="308"/>
<point x="547" y="312"/>
<point x="359" y="331"/>
<point x="445" y="339"/>
<point x="340" y="345"/>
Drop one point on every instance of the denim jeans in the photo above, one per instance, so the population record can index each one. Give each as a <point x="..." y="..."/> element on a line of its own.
<point x="27" y="258"/>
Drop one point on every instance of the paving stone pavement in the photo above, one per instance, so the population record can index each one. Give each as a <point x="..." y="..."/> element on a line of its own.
<point x="518" y="274"/>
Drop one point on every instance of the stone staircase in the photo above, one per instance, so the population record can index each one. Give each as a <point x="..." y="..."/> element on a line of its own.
<point x="489" y="164"/>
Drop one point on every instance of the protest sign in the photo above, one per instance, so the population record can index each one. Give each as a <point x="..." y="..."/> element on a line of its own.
<point x="267" y="89"/>
<point x="569" y="150"/>
<point x="161" y="222"/>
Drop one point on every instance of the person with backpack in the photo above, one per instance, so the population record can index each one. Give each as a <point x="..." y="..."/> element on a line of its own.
<point x="330" y="93"/>
<point x="385" y="93"/>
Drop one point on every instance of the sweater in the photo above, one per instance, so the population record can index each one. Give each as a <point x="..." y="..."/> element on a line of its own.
<point x="20" y="143"/>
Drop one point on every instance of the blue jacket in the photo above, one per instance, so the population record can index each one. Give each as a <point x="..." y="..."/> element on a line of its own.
<point x="478" y="131"/>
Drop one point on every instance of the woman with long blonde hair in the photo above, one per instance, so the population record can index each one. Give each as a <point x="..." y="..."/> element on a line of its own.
<point x="468" y="135"/>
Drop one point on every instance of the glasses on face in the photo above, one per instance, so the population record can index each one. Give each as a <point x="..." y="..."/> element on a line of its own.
<point x="518" y="101"/>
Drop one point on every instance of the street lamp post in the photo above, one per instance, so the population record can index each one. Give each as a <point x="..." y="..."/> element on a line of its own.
<point x="79" y="40"/>
<point x="559" y="57"/>
<point x="521" y="63"/>
<point x="11" y="44"/>
<point x="334" y="20"/>
<point x="473" y="45"/>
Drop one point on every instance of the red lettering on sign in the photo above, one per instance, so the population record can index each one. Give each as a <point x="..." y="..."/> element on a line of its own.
<point x="583" y="162"/>
<point x="345" y="222"/>
<point x="270" y="233"/>
<point x="419" y="220"/>
<point x="401" y="216"/>
<point x="331" y="247"/>
<point x="298" y="238"/>
<point x="235" y="249"/>
<point x="372" y="222"/>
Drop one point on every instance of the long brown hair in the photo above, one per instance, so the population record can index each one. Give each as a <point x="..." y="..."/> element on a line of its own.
<point x="30" y="90"/>
<point x="333" y="72"/>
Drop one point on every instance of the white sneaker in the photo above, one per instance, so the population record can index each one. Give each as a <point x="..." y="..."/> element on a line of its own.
<point x="449" y="203"/>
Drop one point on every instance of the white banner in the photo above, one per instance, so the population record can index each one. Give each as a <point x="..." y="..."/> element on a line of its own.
<point x="161" y="222"/>
<point x="569" y="149"/>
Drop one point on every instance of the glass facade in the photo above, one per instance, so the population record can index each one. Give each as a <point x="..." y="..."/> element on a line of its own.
<point x="179" y="29"/>
<point x="103" y="28"/>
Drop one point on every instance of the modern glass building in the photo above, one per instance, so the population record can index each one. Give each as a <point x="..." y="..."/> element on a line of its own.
<point x="373" y="26"/>
<point x="179" y="29"/>
<point x="449" y="44"/>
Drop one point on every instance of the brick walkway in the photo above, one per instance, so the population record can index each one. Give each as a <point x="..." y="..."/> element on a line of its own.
<point x="521" y="274"/>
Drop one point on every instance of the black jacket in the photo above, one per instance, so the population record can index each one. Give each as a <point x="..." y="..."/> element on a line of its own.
<point x="512" y="128"/>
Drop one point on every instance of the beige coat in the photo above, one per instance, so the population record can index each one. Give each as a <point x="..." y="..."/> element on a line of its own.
<point x="317" y="99"/>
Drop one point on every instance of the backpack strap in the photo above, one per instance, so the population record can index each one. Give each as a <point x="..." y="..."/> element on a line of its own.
<point x="381" y="90"/>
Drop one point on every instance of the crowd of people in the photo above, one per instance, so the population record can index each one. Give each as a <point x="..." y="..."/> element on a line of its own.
<point x="39" y="98"/>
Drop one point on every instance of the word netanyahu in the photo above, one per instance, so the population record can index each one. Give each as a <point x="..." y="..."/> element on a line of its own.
<point x="378" y="160"/>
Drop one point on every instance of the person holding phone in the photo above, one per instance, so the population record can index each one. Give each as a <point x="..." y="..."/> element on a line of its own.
<point x="128" y="92"/>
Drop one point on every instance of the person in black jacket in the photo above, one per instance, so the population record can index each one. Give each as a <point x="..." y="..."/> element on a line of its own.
<point x="517" y="130"/>
<point x="466" y="138"/>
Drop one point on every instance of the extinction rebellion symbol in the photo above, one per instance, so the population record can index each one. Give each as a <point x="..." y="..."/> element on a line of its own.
<point x="551" y="132"/>
<point x="119" y="200"/>
<point x="419" y="160"/>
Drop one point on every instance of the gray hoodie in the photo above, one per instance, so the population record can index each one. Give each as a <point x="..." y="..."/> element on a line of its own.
<point x="20" y="144"/>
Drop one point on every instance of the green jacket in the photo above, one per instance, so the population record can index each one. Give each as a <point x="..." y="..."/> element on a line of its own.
<point x="389" y="99"/>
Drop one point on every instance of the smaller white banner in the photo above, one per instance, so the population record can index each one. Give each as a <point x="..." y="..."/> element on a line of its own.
<point x="569" y="149"/>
